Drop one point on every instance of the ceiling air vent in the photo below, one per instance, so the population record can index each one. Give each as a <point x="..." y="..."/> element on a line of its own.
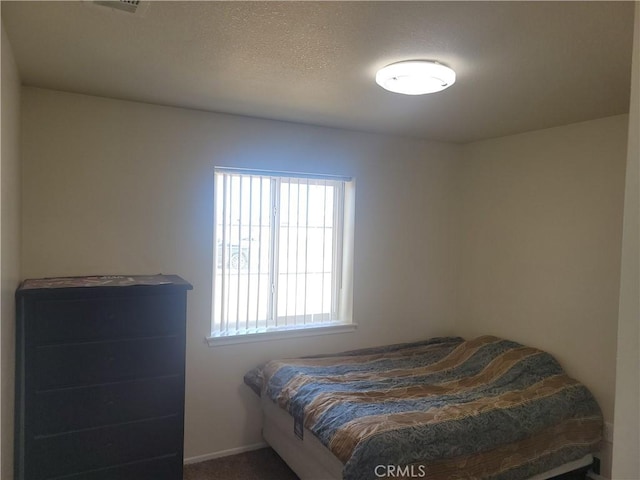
<point x="130" y="6"/>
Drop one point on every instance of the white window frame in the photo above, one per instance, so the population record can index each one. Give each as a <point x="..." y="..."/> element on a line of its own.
<point x="342" y="271"/>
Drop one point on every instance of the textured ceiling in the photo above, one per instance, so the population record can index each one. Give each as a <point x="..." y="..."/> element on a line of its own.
<point x="521" y="65"/>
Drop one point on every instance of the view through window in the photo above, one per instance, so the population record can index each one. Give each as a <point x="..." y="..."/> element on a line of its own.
<point x="278" y="251"/>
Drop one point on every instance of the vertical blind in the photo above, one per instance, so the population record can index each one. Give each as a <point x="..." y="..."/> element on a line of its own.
<point x="278" y="251"/>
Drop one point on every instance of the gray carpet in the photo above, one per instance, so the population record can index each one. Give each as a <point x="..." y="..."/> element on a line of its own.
<point x="263" y="464"/>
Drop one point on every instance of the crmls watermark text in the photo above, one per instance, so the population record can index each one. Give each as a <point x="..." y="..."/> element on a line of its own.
<point x="397" y="471"/>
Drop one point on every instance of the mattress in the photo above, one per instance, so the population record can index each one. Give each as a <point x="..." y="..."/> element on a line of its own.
<point x="443" y="408"/>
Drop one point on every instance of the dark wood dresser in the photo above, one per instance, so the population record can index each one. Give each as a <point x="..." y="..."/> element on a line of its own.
<point x="100" y="378"/>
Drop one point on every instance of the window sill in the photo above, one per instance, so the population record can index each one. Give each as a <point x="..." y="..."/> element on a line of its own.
<point x="280" y="335"/>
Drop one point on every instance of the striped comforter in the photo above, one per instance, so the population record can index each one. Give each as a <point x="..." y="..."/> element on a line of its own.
<point x="443" y="408"/>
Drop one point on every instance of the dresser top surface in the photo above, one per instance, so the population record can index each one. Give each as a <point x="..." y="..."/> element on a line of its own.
<point x="102" y="281"/>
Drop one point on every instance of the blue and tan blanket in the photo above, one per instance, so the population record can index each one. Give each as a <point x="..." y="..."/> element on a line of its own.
<point x="443" y="408"/>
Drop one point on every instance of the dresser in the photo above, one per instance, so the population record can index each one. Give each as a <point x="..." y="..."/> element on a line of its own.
<point x="100" y="378"/>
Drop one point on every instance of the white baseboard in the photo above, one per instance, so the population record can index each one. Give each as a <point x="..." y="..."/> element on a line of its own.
<point x="224" y="453"/>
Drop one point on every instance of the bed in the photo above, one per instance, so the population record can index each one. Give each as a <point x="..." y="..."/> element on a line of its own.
<point x="441" y="409"/>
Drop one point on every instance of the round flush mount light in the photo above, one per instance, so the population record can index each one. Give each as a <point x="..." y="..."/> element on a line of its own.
<point x="415" y="77"/>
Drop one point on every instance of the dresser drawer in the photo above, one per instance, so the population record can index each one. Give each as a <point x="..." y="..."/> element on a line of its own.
<point x="106" y="318"/>
<point x="64" y="410"/>
<point x="163" y="468"/>
<point x="102" y="362"/>
<point x="77" y="452"/>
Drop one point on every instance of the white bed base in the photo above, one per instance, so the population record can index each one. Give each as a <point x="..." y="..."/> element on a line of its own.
<point x="311" y="460"/>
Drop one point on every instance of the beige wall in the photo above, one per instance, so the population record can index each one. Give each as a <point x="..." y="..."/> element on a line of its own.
<point x="9" y="247"/>
<point x="541" y="217"/>
<point x="626" y="444"/>
<point x="120" y="187"/>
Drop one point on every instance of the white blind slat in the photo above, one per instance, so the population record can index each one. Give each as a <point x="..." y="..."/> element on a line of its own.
<point x="271" y="270"/>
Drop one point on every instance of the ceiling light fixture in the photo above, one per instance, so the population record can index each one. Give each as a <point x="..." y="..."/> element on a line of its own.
<point x="415" y="77"/>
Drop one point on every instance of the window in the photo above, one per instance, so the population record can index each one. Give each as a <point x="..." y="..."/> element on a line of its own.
<point x="281" y="254"/>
